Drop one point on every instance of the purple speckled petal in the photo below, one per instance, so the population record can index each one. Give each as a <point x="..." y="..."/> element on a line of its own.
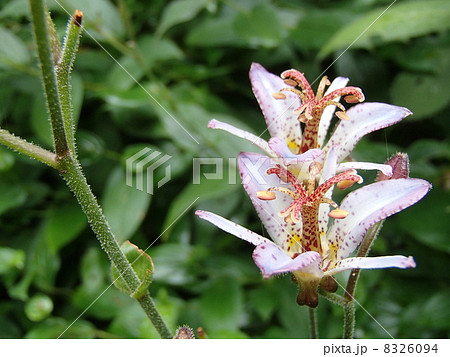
<point x="232" y="228"/>
<point x="253" y="168"/>
<point x="325" y="120"/>
<point x="281" y="149"/>
<point x="261" y="143"/>
<point x="385" y="169"/>
<point x="272" y="260"/>
<point x="394" y="261"/>
<point x="369" y="205"/>
<point x="364" y="118"/>
<point x="280" y="119"/>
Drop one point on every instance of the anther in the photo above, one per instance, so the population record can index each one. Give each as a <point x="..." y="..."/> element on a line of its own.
<point x="266" y="195"/>
<point x="279" y="95"/>
<point x="338" y="213"/>
<point x="342" y="115"/>
<point x="345" y="184"/>
<point x="290" y="82"/>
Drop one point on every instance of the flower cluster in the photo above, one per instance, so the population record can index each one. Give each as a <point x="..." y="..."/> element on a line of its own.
<point x="291" y="187"/>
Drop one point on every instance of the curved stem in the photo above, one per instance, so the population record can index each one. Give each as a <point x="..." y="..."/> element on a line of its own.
<point x="46" y="60"/>
<point x="313" y="327"/>
<point x="333" y="297"/>
<point x="63" y="67"/>
<point x="29" y="149"/>
<point x="73" y="175"/>
<point x="65" y="160"/>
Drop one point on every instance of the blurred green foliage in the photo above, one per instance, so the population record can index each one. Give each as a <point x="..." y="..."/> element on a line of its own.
<point x="145" y="71"/>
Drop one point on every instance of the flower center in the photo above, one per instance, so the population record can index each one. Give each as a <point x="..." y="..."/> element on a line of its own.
<point x="312" y="106"/>
<point x="306" y="201"/>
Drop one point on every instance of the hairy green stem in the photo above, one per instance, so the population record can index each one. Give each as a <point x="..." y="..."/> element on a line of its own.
<point x="64" y="67"/>
<point x="349" y="307"/>
<point x="24" y="147"/>
<point x="333" y="297"/>
<point x="349" y="319"/>
<point x="65" y="160"/>
<point x="313" y="327"/>
<point x="77" y="183"/>
<point x="46" y="60"/>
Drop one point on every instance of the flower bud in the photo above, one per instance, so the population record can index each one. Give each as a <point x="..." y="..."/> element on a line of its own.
<point x="400" y="167"/>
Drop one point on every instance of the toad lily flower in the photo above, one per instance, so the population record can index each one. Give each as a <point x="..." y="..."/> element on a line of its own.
<point x="285" y="106"/>
<point x="296" y="215"/>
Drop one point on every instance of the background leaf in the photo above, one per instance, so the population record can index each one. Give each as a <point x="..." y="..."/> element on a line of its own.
<point x="400" y="22"/>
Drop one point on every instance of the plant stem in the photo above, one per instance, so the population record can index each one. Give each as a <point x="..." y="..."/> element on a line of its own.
<point x="313" y="327"/>
<point x="64" y="67"/>
<point x="65" y="160"/>
<point x="29" y="149"/>
<point x="349" y="319"/>
<point x="349" y="307"/>
<point x="77" y="183"/>
<point x="45" y="55"/>
<point x="333" y="297"/>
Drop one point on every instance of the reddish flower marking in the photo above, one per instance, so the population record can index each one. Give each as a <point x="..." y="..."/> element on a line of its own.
<point x="313" y="106"/>
<point x="306" y="201"/>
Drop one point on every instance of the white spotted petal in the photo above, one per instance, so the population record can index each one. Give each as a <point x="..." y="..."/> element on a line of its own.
<point x="272" y="260"/>
<point x="252" y="169"/>
<point x="278" y="113"/>
<point x="327" y="115"/>
<point x="363" y="119"/>
<point x="394" y="261"/>
<point x="369" y="205"/>
<point x="232" y="228"/>
<point x="256" y="140"/>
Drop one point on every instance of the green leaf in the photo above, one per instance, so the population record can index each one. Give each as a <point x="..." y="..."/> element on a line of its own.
<point x="178" y="12"/>
<point x="194" y="194"/>
<point x="11" y="259"/>
<point x="63" y="225"/>
<point x="219" y="33"/>
<point x="428" y="221"/>
<point x="260" y="26"/>
<point x="314" y="29"/>
<point x="400" y="22"/>
<point x="424" y="95"/>
<point x="40" y="122"/>
<point x="13" y="51"/>
<point x="101" y="18"/>
<point x="7" y="159"/>
<point x="96" y="281"/>
<point x="124" y="206"/>
<point x="172" y="263"/>
<point x="435" y="313"/>
<point x="142" y="265"/>
<point x="222" y="305"/>
<point x="53" y="327"/>
<point x="11" y="196"/>
<point x="39" y="307"/>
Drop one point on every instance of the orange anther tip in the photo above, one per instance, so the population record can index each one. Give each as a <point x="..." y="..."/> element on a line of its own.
<point x="338" y="213"/>
<point x="342" y="115"/>
<point x="266" y="195"/>
<point x="291" y="82"/>
<point x="279" y="95"/>
<point x="351" y="99"/>
<point x="345" y="184"/>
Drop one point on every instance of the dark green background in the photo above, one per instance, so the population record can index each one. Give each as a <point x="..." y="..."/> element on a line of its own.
<point x="193" y="57"/>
